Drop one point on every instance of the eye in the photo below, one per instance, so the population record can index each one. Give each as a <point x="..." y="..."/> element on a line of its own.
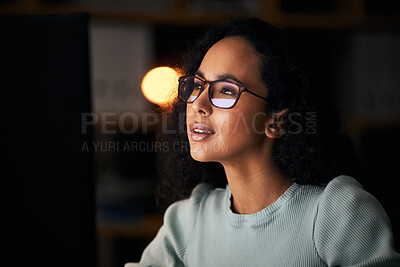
<point x="197" y="86"/>
<point x="227" y="91"/>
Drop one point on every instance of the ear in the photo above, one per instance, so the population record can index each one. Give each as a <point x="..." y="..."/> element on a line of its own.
<point x="273" y="127"/>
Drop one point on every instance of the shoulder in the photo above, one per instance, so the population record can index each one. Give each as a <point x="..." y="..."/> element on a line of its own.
<point x="345" y="196"/>
<point x="345" y="186"/>
<point x="344" y="199"/>
<point x="178" y="224"/>
<point x="347" y="192"/>
<point x="198" y="194"/>
<point x="168" y="248"/>
<point x="186" y="210"/>
<point x="351" y="226"/>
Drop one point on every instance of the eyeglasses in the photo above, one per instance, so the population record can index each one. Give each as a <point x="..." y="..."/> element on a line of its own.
<point x="222" y="94"/>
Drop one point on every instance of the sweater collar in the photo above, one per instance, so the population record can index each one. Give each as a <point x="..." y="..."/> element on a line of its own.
<point x="262" y="214"/>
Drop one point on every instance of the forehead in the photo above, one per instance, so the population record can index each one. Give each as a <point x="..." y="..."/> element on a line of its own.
<point x="234" y="56"/>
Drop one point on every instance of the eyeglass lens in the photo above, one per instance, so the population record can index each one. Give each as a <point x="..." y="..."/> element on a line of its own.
<point x="222" y="94"/>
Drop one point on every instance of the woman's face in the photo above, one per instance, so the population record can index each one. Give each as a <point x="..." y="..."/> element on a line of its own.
<point x="228" y="133"/>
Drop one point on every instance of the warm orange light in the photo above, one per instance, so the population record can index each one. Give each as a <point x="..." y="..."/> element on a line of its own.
<point x="160" y="85"/>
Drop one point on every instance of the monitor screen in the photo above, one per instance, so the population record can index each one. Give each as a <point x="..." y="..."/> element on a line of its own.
<point x="47" y="187"/>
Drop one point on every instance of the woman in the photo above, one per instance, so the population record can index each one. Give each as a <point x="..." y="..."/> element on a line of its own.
<point x="286" y="199"/>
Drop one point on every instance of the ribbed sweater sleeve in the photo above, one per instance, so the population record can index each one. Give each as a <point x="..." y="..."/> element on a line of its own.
<point x="169" y="246"/>
<point x="352" y="228"/>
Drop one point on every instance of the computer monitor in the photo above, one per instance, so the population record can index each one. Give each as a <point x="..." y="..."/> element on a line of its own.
<point x="47" y="187"/>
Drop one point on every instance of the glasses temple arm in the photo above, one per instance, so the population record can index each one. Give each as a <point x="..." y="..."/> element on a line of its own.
<point x="257" y="95"/>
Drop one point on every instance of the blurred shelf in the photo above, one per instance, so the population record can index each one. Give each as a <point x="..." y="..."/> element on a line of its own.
<point x="146" y="228"/>
<point x="345" y="13"/>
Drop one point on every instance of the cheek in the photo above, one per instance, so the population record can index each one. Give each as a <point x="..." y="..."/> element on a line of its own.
<point x="187" y="112"/>
<point x="189" y="117"/>
<point x="241" y="124"/>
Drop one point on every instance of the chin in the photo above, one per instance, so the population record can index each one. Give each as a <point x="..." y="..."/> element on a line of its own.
<point x="207" y="156"/>
<point x="201" y="157"/>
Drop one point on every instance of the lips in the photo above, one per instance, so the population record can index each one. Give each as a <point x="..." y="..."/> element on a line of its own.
<point x="200" y="132"/>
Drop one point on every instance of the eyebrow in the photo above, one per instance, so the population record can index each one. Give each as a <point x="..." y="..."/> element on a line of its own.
<point x="221" y="77"/>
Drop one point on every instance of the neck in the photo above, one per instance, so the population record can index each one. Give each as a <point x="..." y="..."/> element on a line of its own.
<point x="255" y="184"/>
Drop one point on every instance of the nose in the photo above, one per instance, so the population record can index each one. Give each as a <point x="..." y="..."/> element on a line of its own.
<point x="202" y="103"/>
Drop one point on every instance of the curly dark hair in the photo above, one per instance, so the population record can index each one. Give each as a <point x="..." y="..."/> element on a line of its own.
<point x="313" y="149"/>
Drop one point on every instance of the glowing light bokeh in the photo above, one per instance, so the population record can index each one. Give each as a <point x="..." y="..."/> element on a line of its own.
<point x="160" y="85"/>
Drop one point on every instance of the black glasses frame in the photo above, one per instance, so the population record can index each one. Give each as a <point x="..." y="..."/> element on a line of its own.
<point x="210" y="84"/>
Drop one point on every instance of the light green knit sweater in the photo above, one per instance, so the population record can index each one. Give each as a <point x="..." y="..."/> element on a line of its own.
<point x="337" y="225"/>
